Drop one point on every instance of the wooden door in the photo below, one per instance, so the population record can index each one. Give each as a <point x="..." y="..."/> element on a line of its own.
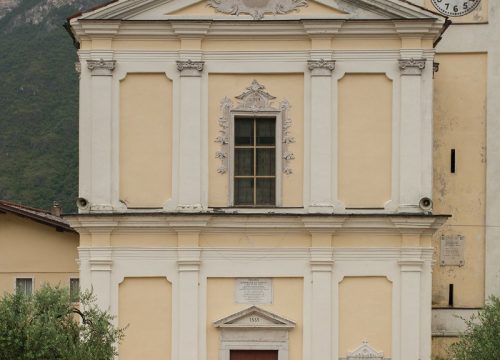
<point x="254" y="355"/>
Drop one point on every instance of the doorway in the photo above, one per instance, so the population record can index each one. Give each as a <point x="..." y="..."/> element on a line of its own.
<point x="254" y="355"/>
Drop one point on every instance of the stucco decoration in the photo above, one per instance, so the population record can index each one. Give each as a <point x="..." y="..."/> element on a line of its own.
<point x="254" y="100"/>
<point x="226" y="105"/>
<point x="101" y="67"/>
<point x="286" y="138"/>
<point x="256" y="8"/>
<point x="411" y="66"/>
<point x="321" y="64"/>
<point x="190" y="67"/>
<point x="365" y="351"/>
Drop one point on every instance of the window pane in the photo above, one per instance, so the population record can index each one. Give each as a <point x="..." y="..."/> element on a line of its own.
<point x="74" y="289"/>
<point x="243" y="132"/>
<point x="243" y="191"/>
<point x="266" y="129"/>
<point x="265" y="162"/>
<point x="24" y="286"/>
<point x="243" y="162"/>
<point x="266" y="190"/>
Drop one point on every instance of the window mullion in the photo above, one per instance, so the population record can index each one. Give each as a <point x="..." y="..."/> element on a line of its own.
<point x="254" y="161"/>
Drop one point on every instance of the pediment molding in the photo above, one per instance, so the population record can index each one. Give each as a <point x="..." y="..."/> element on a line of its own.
<point x="365" y="351"/>
<point x="269" y="9"/>
<point x="254" y="317"/>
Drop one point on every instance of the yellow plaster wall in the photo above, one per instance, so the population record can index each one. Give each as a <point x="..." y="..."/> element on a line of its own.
<point x="33" y="250"/>
<point x="365" y="138"/>
<point x="27" y="246"/>
<point x="365" y="313"/>
<point x="366" y="240"/>
<point x="220" y="303"/>
<point x="144" y="239"/>
<point x="145" y="140"/>
<point x="460" y="123"/>
<point x="145" y="306"/>
<point x="251" y="44"/>
<point x="440" y="347"/>
<point x="282" y="86"/>
<point x="479" y="15"/>
<point x="366" y="43"/>
<point x="146" y="44"/>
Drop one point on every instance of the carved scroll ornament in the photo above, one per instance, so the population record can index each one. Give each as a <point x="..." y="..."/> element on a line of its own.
<point x="255" y="99"/>
<point x="411" y="66"/>
<point x="256" y="8"/>
<point x="101" y="67"/>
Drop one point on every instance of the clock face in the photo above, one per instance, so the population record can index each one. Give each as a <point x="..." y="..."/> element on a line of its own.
<point x="455" y="7"/>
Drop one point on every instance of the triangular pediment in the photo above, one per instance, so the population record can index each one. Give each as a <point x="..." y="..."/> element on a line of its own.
<point x="254" y="317"/>
<point x="259" y="10"/>
<point x="365" y="351"/>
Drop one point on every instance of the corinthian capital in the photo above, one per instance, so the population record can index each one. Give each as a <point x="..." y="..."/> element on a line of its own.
<point x="411" y="66"/>
<point x="321" y="67"/>
<point x="190" y="68"/>
<point x="101" y="67"/>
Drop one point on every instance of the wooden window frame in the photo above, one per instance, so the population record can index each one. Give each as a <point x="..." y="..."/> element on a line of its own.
<point x="277" y="116"/>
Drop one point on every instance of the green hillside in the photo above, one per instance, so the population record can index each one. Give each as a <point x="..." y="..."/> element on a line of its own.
<point x="38" y="105"/>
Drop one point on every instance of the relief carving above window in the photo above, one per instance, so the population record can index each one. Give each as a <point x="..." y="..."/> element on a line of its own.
<point x="254" y="100"/>
<point x="256" y="8"/>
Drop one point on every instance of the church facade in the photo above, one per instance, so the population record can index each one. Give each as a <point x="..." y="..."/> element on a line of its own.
<point x="256" y="178"/>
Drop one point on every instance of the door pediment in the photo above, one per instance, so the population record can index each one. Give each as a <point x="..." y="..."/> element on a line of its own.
<point x="254" y="317"/>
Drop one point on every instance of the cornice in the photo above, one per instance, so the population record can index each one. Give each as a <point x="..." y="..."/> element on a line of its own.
<point x="263" y="223"/>
<point x="293" y="27"/>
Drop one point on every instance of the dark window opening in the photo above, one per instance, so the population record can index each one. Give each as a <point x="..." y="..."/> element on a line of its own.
<point x="255" y="161"/>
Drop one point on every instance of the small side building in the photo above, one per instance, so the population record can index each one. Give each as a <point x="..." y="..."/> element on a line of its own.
<point x="36" y="247"/>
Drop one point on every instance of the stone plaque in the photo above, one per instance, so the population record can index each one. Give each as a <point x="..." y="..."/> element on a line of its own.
<point x="452" y="250"/>
<point x="254" y="291"/>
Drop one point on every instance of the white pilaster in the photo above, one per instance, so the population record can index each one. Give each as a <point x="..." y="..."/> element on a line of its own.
<point x="410" y="159"/>
<point x="100" y="274"/>
<point x="190" y="136"/>
<point x="188" y="317"/>
<point x="101" y="122"/>
<point x="321" y="305"/>
<point x="410" y="309"/>
<point x="320" y="189"/>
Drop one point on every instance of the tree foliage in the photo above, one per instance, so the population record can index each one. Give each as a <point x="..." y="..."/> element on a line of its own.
<point x="47" y="325"/>
<point x="481" y="340"/>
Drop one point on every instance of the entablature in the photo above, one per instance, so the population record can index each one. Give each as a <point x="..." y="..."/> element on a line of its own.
<point x="269" y="223"/>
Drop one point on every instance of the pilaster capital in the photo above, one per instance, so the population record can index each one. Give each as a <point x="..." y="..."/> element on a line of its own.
<point x="101" y="67"/>
<point x="101" y="264"/>
<point x="78" y="67"/>
<point x="411" y="265"/>
<point x="321" y="259"/>
<point x="190" y="67"/>
<point x="411" y="66"/>
<point x="188" y="265"/>
<point x="321" y="67"/>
